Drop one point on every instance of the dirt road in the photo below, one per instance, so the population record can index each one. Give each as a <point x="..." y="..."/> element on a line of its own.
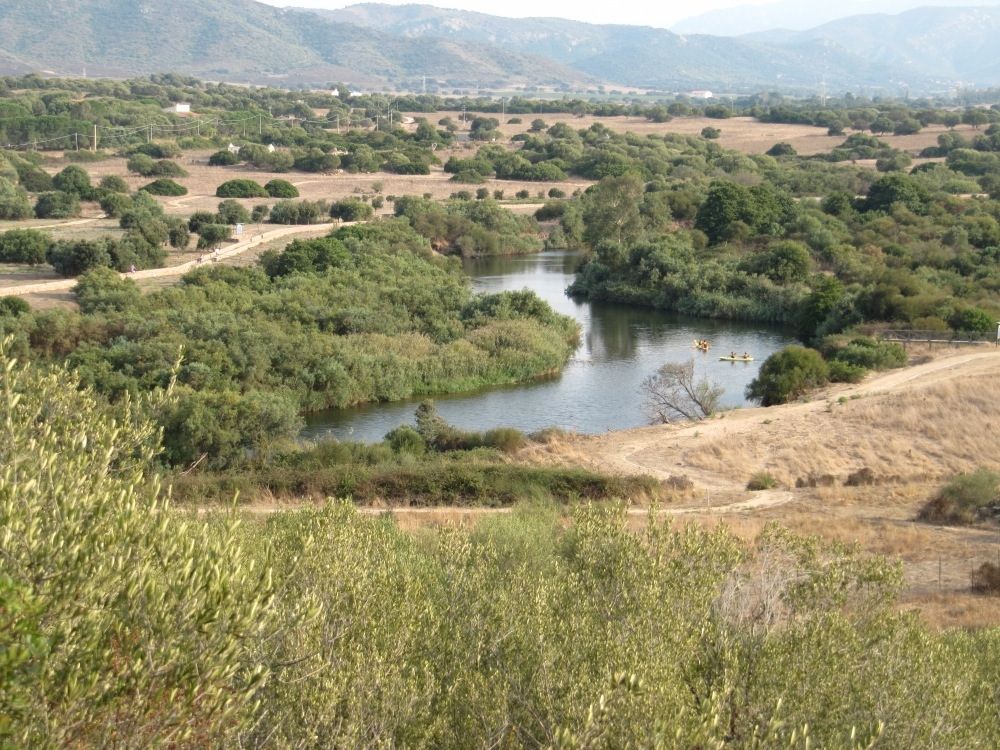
<point x="840" y="430"/>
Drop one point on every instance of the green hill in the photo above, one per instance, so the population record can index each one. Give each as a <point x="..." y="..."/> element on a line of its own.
<point x="239" y="40"/>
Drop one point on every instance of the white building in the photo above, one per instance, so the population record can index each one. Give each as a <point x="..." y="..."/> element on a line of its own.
<point x="700" y="94"/>
<point x="180" y="108"/>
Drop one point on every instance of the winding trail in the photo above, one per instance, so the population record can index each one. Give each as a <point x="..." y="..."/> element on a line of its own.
<point x="230" y="251"/>
<point x="659" y="451"/>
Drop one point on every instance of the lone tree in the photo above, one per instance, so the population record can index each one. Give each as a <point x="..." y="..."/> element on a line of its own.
<point x="672" y="394"/>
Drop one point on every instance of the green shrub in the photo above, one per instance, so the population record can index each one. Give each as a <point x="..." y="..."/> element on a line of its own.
<point x="74" y="180"/>
<point x="102" y="290"/>
<point x="231" y="212"/>
<point x="164" y="186"/>
<point x="240" y="189"/>
<point x="74" y="257"/>
<point x="845" y="372"/>
<point x="24" y="246"/>
<point x="351" y="209"/>
<point x="213" y="235"/>
<point x="788" y="375"/>
<point x="405" y="439"/>
<point x="281" y="189"/>
<point x="146" y="166"/>
<point x="762" y="480"/>
<point x="298" y="212"/>
<point x="966" y="499"/>
<point x="13" y="307"/>
<point x="57" y="205"/>
<point x="113" y="183"/>
<point x="224" y="158"/>
<point x="872" y="355"/>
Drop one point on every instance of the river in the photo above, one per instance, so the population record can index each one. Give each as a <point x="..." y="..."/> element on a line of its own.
<point x="599" y="389"/>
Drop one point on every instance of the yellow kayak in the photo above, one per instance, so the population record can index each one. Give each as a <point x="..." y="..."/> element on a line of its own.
<point x="736" y="359"/>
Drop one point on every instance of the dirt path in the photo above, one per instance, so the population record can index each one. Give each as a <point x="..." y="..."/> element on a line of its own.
<point x="155" y="273"/>
<point x="666" y="451"/>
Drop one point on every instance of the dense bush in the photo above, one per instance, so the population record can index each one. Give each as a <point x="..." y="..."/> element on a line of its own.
<point x="351" y="209"/>
<point x="164" y="186"/>
<point x="73" y="180"/>
<point x="212" y="235"/>
<point x="870" y="354"/>
<point x="298" y="212"/>
<point x="13" y="307"/>
<point x="74" y="257"/>
<point x="369" y="314"/>
<point x="762" y="480"/>
<point x="469" y="228"/>
<point x="231" y="212"/>
<point x="23" y="246"/>
<point x="224" y="158"/>
<point x="146" y="166"/>
<point x="281" y="189"/>
<point x="240" y="189"/>
<point x="57" y="205"/>
<point x="966" y="499"/>
<point x="112" y="183"/>
<point x="787" y="375"/>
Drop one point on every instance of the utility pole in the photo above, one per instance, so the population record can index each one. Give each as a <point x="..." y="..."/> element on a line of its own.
<point x="93" y="144"/>
<point x="76" y="141"/>
<point x="149" y="135"/>
<point x="260" y="124"/>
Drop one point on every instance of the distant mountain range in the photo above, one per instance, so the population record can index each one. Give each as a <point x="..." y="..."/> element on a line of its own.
<point x="796" y="15"/>
<point x="927" y="49"/>
<point x="242" y="40"/>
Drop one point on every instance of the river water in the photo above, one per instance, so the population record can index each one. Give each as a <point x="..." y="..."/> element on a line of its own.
<point x="599" y="389"/>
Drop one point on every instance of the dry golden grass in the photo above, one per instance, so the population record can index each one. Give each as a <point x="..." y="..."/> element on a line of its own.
<point x="742" y="134"/>
<point x="936" y="430"/>
<point x="913" y="428"/>
<point x="202" y="181"/>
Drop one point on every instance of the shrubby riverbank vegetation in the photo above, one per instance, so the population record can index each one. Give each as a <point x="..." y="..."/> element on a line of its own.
<point x="530" y="631"/>
<point x="367" y="314"/>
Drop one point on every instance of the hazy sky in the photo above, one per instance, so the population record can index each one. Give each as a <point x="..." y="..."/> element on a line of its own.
<point x="662" y="13"/>
<point x="648" y="12"/>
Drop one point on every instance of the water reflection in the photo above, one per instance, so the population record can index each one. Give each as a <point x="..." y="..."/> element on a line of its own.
<point x="599" y="389"/>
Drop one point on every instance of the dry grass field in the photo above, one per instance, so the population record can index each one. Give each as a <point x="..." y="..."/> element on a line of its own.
<point x="742" y="134"/>
<point x="908" y="430"/>
<point x="202" y="181"/>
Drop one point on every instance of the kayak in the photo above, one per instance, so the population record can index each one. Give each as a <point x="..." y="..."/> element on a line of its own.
<point x="736" y="359"/>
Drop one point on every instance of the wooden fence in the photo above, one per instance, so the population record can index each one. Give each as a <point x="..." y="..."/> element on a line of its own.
<point x="955" y="338"/>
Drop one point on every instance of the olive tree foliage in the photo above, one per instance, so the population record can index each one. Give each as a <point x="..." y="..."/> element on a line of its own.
<point x="122" y="624"/>
<point x="673" y="394"/>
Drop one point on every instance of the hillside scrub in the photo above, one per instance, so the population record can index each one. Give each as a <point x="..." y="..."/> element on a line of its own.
<point x="452" y="638"/>
<point x="966" y="499"/>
